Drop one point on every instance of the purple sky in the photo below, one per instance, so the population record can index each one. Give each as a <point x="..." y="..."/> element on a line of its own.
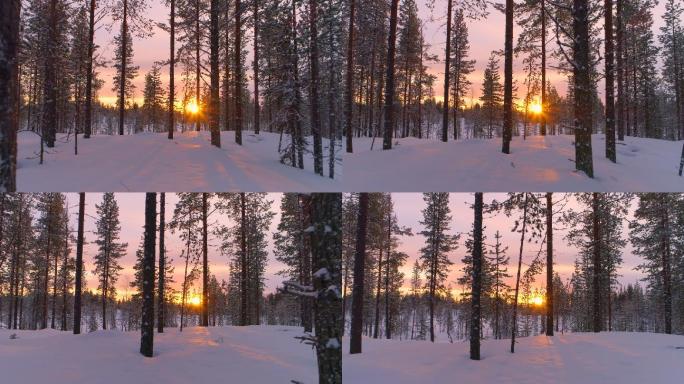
<point x="132" y="216"/>
<point x="408" y="208"/>
<point x="485" y="35"/>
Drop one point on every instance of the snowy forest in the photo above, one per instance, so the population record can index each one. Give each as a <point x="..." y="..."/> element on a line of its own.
<point x="495" y="269"/>
<point x="275" y="265"/>
<point x="593" y="78"/>
<point x="256" y="78"/>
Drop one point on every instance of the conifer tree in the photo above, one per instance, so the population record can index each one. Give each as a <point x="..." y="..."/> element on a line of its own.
<point x="475" y="320"/>
<point x="161" y="301"/>
<point x="110" y="250"/>
<point x="389" y="77"/>
<point x="79" y="265"/>
<point x="359" y="268"/>
<point x="153" y="99"/>
<point x="438" y="243"/>
<point x="492" y="93"/>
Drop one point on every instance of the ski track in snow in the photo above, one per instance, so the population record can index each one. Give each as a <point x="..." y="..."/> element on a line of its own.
<point x="255" y="354"/>
<point x="587" y="358"/>
<point x="538" y="164"/>
<point x="150" y="162"/>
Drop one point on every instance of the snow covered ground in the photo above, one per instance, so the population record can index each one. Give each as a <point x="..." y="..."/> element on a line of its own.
<point x="150" y="162"/>
<point x="620" y="358"/>
<point x="538" y="164"/>
<point x="257" y="354"/>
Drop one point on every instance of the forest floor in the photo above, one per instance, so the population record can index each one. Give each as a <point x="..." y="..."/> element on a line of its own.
<point x="150" y="162"/>
<point x="256" y="354"/>
<point x="587" y="358"/>
<point x="538" y="164"/>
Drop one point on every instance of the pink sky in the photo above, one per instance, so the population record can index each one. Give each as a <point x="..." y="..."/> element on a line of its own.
<point x="408" y="208"/>
<point x="485" y="35"/>
<point x="132" y="216"/>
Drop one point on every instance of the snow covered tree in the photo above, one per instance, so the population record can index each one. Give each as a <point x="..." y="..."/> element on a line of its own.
<point x="110" y="250"/>
<point x="147" y="326"/>
<point x="438" y="244"/>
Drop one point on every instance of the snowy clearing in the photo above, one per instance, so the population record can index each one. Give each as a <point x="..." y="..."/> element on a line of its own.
<point x="622" y="358"/>
<point x="150" y="162"/>
<point x="256" y="354"/>
<point x="537" y="164"/>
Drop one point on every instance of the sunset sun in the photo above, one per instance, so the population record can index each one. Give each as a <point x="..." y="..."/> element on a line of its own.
<point x="536" y="108"/>
<point x="193" y="107"/>
<point x="195" y="300"/>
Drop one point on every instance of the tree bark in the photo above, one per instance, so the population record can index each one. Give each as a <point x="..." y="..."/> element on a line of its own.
<point x="122" y="81"/>
<point x="390" y="87"/>
<point x="243" y="262"/>
<point x="161" y="301"/>
<point x="508" y="80"/>
<point x="476" y="279"/>
<point x="88" y="129"/>
<point x="205" y="264"/>
<point x="147" y="326"/>
<point x="349" y="95"/>
<point x="359" y="269"/>
<point x="237" y="80"/>
<point x="514" y="329"/>
<point x="447" y="70"/>
<point x="620" y="71"/>
<point x="583" y="88"/>
<point x="610" y="82"/>
<point x="596" y="277"/>
<point x="215" y="103"/>
<point x="79" y="264"/>
<point x="549" y="264"/>
<point x="257" y="108"/>
<point x="172" y="78"/>
<point x="9" y="93"/>
<point x="313" y="88"/>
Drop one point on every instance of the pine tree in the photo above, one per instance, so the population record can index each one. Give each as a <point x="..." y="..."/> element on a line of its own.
<point x="215" y="102"/>
<point x="107" y="268"/>
<point x="492" y="92"/>
<point x="161" y="301"/>
<point x="89" y="72"/>
<point x="349" y="92"/>
<point x="549" y="264"/>
<point x="611" y="152"/>
<point x="435" y="254"/>
<point x="508" y="80"/>
<point x="499" y="267"/>
<point x="461" y="67"/>
<point x="153" y="99"/>
<point x="126" y="72"/>
<point x="147" y="326"/>
<point x="172" y="76"/>
<point x="9" y="83"/>
<point x="656" y="236"/>
<point x="238" y="75"/>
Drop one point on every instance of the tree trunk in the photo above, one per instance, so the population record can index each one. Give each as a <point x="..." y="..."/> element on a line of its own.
<point x="447" y="70"/>
<point x="596" y="276"/>
<point x="508" y="81"/>
<point x="9" y="93"/>
<point x="390" y="87"/>
<point x="243" y="262"/>
<point x="79" y="264"/>
<point x="161" y="301"/>
<point x="122" y="81"/>
<point x="549" y="264"/>
<point x="583" y="88"/>
<point x="327" y="257"/>
<point x="359" y="269"/>
<point x="667" y="268"/>
<point x="610" y="82"/>
<point x="476" y="280"/>
<point x="89" y="75"/>
<point x="620" y="71"/>
<point x="205" y="264"/>
<point x="514" y="329"/>
<point x="543" y="67"/>
<point x="313" y="88"/>
<point x="49" y="123"/>
<point x="257" y="108"/>
<point x="349" y="95"/>
<point x="172" y="88"/>
<point x="147" y="326"/>
<point x="215" y="103"/>
<point x="237" y="78"/>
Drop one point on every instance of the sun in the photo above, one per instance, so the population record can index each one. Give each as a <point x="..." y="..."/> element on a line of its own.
<point x="537" y="300"/>
<point x="195" y="300"/>
<point x="193" y="107"/>
<point x="536" y="108"/>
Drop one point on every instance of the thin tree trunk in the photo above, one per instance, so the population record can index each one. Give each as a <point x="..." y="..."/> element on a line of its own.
<point x="172" y="87"/>
<point x="205" y="264"/>
<point x="543" y="67"/>
<point x="447" y="70"/>
<point x="583" y="89"/>
<point x="620" y="71"/>
<point x="390" y="87"/>
<point x="549" y="264"/>
<point x="596" y="276"/>
<point x="514" y="329"/>
<point x="610" y="82"/>
<point x="237" y="79"/>
<point x="124" y="58"/>
<point x="257" y="108"/>
<point x="89" y="75"/>
<point x="161" y="302"/>
<point x="9" y="93"/>
<point x="313" y="88"/>
<point x="243" y="262"/>
<point x="349" y="95"/>
<point x="359" y="270"/>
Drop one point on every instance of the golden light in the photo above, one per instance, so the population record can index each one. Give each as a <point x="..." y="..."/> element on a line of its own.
<point x="193" y="107"/>
<point x="536" y="108"/>
<point x="537" y="300"/>
<point x="195" y="300"/>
